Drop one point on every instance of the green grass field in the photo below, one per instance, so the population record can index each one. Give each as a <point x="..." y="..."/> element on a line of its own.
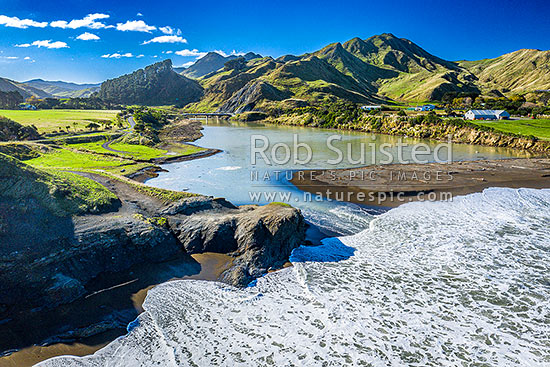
<point x="67" y="159"/>
<point x="539" y="128"/>
<point x="47" y="121"/>
<point x="139" y="152"/>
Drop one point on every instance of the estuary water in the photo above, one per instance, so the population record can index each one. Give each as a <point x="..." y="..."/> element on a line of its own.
<point x="425" y="284"/>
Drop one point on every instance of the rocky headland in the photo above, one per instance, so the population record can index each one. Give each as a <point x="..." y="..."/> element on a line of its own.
<point x="50" y="255"/>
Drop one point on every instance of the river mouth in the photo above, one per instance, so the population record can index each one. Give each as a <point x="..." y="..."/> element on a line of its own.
<point x="233" y="174"/>
<point x="115" y="300"/>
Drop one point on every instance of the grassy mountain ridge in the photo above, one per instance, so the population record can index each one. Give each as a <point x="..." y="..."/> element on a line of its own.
<point x="26" y="91"/>
<point x="63" y="89"/>
<point x="210" y="63"/>
<point x="379" y="69"/>
<point x="521" y="71"/>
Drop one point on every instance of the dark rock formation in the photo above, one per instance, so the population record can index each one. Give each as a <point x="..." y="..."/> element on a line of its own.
<point x="258" y="237"/>
<point x="246" y="98"/>
<point x="47" y="260"/>
<point x="157" y="84"/>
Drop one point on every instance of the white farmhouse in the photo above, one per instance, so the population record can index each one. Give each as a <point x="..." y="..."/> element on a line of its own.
<point x="486" y="115"/>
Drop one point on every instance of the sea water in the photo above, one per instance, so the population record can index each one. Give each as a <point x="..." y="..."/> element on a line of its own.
<point x="425" y="284"/>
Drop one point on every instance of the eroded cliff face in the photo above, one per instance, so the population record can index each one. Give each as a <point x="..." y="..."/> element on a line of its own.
<point x="46" y="260"/>
<point x="459" y="134"/>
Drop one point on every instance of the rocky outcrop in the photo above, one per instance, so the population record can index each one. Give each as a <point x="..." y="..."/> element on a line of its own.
<point x="265" y="239"/>
<point x="258" y="237"/>
<point x="156" y="84"/>
<point x="245" y="99"/>
<point x="47" y="260"/>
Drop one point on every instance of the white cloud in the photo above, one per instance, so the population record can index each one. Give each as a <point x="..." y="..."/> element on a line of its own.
<point x="87" y="37"/>
<point x="221" y="53"/>
<point x="27" y="58"/>
<point x="166" y="39"/>
<point x="233" y="53"/>
<point x="140" y="56"/>
<point x="139" y="14"/>
<point x="194" y="52"/>
<point x="188" y="64"/>
<point x="170" y="30"/>
<point x="89" y="21"/>
<point x="21" y="23"/>
<point x="135" y="26"/>
<point x="116" y="55"/>
<point x="45" y="43"/>
<point x="167" y="52"/>
<point x="9" y="57"/>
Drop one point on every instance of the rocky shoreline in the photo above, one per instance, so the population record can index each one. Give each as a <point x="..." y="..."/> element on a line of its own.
<point x="50" y="261"/>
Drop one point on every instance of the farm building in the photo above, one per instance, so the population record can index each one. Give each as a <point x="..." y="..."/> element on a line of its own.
<point x="486" y="115"/>
<point x="370" y="108"/>
<point x="26" y="106"/>
<point x="428" y="107"/>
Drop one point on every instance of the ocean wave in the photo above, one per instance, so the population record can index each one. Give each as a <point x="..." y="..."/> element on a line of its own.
<point x="229" y="168"/>
<point x="427" y="284"/>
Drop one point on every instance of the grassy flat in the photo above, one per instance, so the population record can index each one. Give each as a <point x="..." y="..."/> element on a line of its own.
<point x="68" y="159"/>
<point x="139" y="151"/>
<point x="539" y="128"/>
<point x="134" y="151"/>
<point x="47" y="121"/>
<point x="61" y="192"/>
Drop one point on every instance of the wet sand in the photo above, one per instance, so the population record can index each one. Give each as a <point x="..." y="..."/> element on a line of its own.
<point x="130" y="291"/>
<point x="395" y="184"/>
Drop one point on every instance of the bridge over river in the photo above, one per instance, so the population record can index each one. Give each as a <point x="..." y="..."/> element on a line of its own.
<point x="205" y="115"/>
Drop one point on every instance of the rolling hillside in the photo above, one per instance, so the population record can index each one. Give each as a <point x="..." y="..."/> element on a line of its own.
<point x="26" y="91"/>
<point x="517" y="72"/>
<point x="379" y="69"/>
<point x="63" y="89"/>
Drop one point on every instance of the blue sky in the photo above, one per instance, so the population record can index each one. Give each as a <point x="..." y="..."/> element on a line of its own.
<point x="59" y="40"/>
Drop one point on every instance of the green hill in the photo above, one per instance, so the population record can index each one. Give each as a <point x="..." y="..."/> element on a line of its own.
<point x="156" y="84"/>
<point x="63" y="89"/>
<point x="381" y="69"/>
<point x="26" y="91"/>
<point x="62" y="193"/>
<point x="517" y="72"/>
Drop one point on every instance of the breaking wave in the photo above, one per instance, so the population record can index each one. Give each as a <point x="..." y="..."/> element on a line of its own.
<point x="428" y="284"/>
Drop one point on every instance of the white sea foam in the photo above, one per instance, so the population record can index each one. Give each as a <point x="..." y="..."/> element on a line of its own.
<point x="428" y="284"/>
<point x="229" y="168"/>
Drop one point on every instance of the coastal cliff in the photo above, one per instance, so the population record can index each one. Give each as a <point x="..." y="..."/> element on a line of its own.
<point x="422" y="127"/>
<point x="50" y="253"/>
